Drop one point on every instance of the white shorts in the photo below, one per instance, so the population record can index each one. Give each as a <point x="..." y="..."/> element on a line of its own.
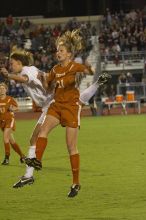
<point x="43" y="116"/>
<point x="44" y="111"/>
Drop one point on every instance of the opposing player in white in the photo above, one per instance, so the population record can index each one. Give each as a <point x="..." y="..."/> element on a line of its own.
<point x="23" y="71"/>
<point x="28" y="75"/>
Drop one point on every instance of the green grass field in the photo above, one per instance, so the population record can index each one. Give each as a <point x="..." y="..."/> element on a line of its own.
<point x="113" y="174"/>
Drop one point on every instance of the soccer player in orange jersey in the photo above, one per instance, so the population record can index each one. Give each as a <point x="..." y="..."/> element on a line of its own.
<point x="7" y="123"/>
<point x="65" y="108"/>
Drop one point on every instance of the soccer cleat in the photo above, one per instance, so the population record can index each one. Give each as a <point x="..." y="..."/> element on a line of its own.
<point x="22" y="159"/>
<point x="33" y="162"/>
<point x="74" y="190"/>
<point x="103" y="79"/>
<point x="24" y="181"/>
<point x="5" y="161"/>
<point x="28" y="161"/>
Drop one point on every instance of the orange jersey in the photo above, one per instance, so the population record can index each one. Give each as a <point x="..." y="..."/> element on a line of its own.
<point x="5" y="105"/>
<point x="66" y="90"/>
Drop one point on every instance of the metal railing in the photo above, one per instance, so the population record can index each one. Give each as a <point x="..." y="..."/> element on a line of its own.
<point x="123" y="60"/>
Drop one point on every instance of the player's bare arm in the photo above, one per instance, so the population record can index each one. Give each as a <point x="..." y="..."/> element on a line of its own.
<point x="16" y="77"/>
<point x="42" y="76"/>
<point x="89" y="70"/>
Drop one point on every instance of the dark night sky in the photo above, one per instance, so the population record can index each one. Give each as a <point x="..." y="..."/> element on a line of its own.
<point x="43" y="7"/>
<point x="64" y="8"/>
<point x="23" y="7"/>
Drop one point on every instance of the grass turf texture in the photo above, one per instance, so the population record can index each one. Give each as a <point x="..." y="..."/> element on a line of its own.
<point x="113" y="174"/>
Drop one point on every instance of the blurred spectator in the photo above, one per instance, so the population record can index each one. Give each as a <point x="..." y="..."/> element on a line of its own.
<point x="9" y="20"/>
<point x="20" y="91"/>
<point x="12" y="89"/>
<point x="130" y="78"/>
<point x="98" y="101"/>
<point x="122" y="78"/>
<point x="122" y="32"/>
<point x="92" y="106"/>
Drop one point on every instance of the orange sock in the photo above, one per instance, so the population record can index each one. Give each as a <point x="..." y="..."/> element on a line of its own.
<point x="7" y="149"/>
<point x="16" y="148"/>
<point x="40" y="147"/>
<point x="75" y="165"/>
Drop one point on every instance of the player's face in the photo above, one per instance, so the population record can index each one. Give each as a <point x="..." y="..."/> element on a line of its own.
<point x="16" y="66"/>
<point x="62" y="54"/>
<point x="3" y="90"/>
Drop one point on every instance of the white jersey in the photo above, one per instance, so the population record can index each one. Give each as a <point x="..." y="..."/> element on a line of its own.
<point x="34" y="87"/>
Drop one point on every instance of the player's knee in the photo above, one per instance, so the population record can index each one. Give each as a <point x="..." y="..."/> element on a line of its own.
<point x="72" y="149"/>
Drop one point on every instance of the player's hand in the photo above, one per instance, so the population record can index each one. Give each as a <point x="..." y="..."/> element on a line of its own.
<point x="4" y="72"/>
<point x="12" y="108"/>
<point x="40" y="75"/>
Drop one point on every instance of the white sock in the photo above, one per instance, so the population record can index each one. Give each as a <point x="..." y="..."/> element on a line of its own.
<point x="88" y="93"/>
<point x="29" y="170"/>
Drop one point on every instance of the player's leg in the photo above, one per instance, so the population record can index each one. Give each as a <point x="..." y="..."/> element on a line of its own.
<point x="16" y="148"/>
<point x="33" y="139"/>
<point x="6" y="138"/>
<point x="49" y="123"/>
<point x="71" y="140"/>
<point x="32" y="148"/>
<point x="28" y="178"/>
<point x="88" y="93"/>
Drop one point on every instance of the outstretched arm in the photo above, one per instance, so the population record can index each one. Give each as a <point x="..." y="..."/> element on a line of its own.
<point x="44" y="78"/>
<point x="89" y="70"/>
<point x="16" y="77"/>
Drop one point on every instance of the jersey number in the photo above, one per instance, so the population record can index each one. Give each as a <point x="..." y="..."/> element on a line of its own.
<point x="2" y="110"/>
<point x="60" y="84"/>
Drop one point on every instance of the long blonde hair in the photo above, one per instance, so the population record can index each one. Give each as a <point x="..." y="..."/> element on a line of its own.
<point x="72" y="40"/>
